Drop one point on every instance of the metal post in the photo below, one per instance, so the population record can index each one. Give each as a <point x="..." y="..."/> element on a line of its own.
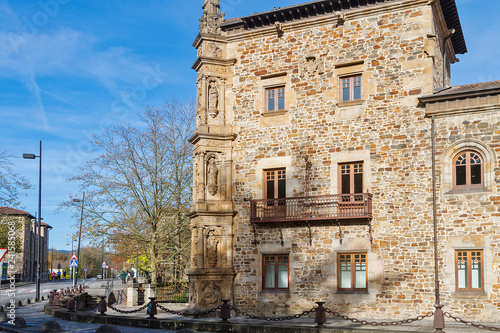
<point x="137" y="263"/>
<point x="39" y="224"/>
<point x="438" y="314"/>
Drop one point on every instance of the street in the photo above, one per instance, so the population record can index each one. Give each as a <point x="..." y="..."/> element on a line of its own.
<point x="25" y="290"/>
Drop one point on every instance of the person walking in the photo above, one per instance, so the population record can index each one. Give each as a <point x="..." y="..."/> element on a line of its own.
<point x="124" y="277"/>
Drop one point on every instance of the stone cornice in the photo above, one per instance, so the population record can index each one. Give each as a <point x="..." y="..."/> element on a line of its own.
<point x="209" y="38"/>
<point x="198" y="135"/>
<point x="328" y="18"/>
<point x="212" y="61"/>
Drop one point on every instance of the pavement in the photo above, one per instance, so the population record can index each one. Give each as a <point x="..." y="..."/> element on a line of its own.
<point x="35" y="317"/>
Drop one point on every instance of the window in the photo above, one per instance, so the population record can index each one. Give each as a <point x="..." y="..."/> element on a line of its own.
<point x="351" y="88"/>
<point x="352" y="272"/>
<point x="275" y="186"/>
<point x="468" y="168"/>
<point x="351" y="181"/>
<point x="275" y="271"/>
<point x="275" y="99"/>
<point x="469" y="271"/>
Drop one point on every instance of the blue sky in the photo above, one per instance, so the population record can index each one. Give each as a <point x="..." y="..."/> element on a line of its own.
<point x="68" y="68"/>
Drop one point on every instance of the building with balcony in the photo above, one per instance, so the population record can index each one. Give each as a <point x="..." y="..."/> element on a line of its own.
<point x="313" y="162"/>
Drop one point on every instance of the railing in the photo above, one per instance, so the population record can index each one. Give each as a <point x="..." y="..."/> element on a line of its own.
<point x="324" y="207"/>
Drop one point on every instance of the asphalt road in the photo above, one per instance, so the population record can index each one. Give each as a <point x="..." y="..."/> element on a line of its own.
<point x="24" y="290"/>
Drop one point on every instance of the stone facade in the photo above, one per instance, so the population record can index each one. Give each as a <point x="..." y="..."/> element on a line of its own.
<point x="23" y="265"/>
<point x="398" y="49"/>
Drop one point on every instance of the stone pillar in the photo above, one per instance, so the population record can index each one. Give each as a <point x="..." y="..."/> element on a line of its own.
<point x="149" y="290"/>
<point x="132" y="295"/>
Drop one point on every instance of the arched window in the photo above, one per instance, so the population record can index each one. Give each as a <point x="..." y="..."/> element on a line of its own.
<point x="468" y="168"/>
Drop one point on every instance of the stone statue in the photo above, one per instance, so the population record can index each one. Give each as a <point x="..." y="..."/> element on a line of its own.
<point x="211" y="6"/>
<point x="212" y="173"/>
<point x="211" y="294"/>
<point x="213" y="99"/>
<point x="212" y="245"/>
<point x="212" y="17"/>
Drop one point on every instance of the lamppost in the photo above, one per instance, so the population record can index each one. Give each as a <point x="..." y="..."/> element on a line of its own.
<point x="79" y="235"/>
<point x="137" y="263"/>
<point x="32" y="157"/>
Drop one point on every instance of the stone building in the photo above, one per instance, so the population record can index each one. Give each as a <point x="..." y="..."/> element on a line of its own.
<point x="23" y="266"/>
<point x="313" y="162"/>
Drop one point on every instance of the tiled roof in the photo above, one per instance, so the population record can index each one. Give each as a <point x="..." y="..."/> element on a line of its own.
<point x="472" y="87"/>
<point x="13" y="211"/>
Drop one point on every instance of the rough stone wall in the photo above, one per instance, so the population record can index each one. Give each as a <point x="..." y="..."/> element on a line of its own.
<point x="388" y="131"/>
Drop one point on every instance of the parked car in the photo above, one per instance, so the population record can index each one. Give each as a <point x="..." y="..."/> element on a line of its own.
<point x="99" y="276"/>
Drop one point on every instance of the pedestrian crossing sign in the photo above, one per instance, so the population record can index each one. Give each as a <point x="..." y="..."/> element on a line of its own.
<point x="73" y="263"/>
<point x="3" y="252"/>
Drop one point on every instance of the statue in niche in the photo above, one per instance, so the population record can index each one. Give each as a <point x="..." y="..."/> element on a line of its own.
<point x="311" y="66"/>
<point x="212" y="247"/>
<point x="212" y="173"/>
<point x="194" y="258"/>
<point x="213" y="99"/>
<point x="211" y="294"/>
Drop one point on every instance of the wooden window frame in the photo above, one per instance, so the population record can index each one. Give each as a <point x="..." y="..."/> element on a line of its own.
<point x="277" y="174"/>
<point x="277" y="90"/>
<point x="468" y="178"/>
<point x="469" y="270"/>
<point x="276" y="272"/>
<point x="352" y="80"/>
<point x="353" y="288"/>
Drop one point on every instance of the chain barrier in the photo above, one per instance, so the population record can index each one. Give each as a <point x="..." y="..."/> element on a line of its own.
<point x="130" y="311"/>
<point x="469" y="323"/>
<point x="283" y="318"/>
<point x="91" y="307"/>
<point x="188" y="313"/>
<point x="379" y="323"/>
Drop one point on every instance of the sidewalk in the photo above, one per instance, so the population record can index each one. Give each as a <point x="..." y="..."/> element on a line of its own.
<point x="166" y="322"/>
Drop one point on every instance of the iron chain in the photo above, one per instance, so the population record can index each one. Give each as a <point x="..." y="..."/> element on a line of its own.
<point x="245" y="314"/>
<point x="127" y="312"/>
<point x="480" y="326"/>
<point x="187" y="313"/>
<point x="379" y="323"/>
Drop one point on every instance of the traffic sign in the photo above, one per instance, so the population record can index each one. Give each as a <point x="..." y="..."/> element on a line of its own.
<point x="116" y="267"/>
<point x="85" y="269"/>
<point x="107" y="266"/>
<point x="73" y="263"/>
<point x="3" y="252"/>
<point x="74" y="257"/>
<point x="103" y="264"/>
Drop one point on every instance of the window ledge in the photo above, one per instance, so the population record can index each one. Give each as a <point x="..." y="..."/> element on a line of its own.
<point x="353" y="292"/>
<point x="350" y="103"/>
<point x="469" y="294"/>
<point x="468" y="190"/>
<point x="273" y="113"/>
<point x="274" y="291"/>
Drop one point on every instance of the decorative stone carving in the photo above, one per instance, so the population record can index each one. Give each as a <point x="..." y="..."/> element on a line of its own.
<point x="212" y="173"/>
<point x="193" y="297"/>
<point x="212" y="245"/>
<point x="311" y="66"/>
<point x="214" y="50"/>
<point x="211" y="294"/>
<point x="212" y="17"/>
<point x="213" y="99"/>
<point x="194" y="251"/>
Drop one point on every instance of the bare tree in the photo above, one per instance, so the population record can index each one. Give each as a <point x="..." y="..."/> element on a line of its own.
<point x="138" y="189"/>
<point x="10" y="182"/>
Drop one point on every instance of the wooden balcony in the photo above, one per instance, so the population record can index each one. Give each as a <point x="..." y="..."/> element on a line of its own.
<point x="316" y="208"/>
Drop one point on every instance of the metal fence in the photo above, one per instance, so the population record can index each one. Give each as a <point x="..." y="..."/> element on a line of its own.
<point x="175" y="293"/>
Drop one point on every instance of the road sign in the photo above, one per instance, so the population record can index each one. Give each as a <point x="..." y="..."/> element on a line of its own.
<point x="3" y="252"/>
<point x="116" y="267"/>
<point x="107" y="266"/>
<point x="74" y="257"/>
<point x="85" y="269"/>
<point x="103" y="264"/>
<point x="73" y="263"/>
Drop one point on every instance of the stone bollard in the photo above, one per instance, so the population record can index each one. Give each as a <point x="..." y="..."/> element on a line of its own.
<point x="107" y="329"/>
<point x="102" y="305"/>
<point x="57" y="303"/>
<point x="19" y="322"/>
<point x="152" y="310"/>
<point x="51" y="298"/>
<point x="320" y="317"/>
<point x="51" y="326"/>
<point x="225" y="310"/>
<point x="71" y="303"/>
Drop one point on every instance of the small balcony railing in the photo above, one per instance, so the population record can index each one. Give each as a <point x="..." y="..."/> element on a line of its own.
<point x="316" y="208"/>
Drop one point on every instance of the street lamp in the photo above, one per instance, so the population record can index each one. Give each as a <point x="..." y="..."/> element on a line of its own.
<point x="137" y="263"/>
<point x="79" y="236"/>
<point x="32" y="157"/>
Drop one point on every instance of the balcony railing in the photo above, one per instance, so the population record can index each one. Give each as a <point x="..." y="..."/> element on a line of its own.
<point x="316" y="208"/>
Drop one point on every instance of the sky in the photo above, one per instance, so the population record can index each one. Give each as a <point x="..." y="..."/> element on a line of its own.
<point x="69" y="68"/>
